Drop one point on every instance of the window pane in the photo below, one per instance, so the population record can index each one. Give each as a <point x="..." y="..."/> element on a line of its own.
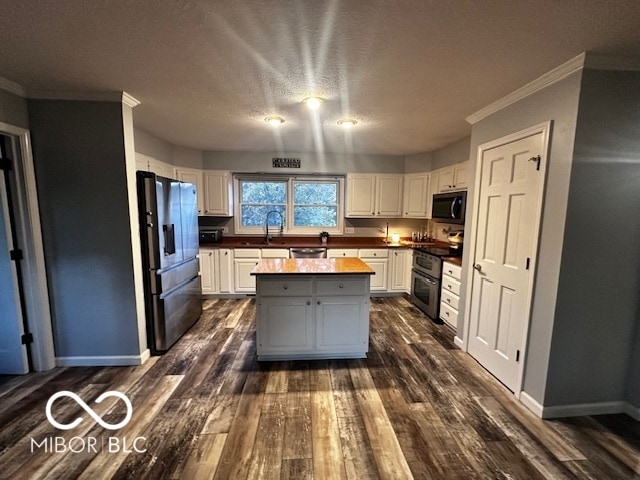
<point x="263" y="192"/>
<point x="256" y="215"/>
<point x="315" y="193"/>
<point x="315" y="216"/>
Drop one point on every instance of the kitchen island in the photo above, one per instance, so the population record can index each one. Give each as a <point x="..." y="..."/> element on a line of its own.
<point x="312" y="308"/>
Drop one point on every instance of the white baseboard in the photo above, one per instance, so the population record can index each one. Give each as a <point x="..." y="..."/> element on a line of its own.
<point x="580" y="409"/>
<point x="529" y="402"/>
<point x="459" y="342"/>
<point x="106" y="361"/>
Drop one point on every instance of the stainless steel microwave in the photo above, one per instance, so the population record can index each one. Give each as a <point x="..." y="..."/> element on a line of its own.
<point x="449" y="207"/>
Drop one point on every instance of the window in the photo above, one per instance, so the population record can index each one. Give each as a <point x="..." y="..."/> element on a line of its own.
<point x="300" y="205"/>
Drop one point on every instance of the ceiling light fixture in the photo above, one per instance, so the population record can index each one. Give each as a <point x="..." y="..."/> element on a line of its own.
<point x="312" y="103"/>
<point x="347" y="122"/>
<point x="274" y="120"/>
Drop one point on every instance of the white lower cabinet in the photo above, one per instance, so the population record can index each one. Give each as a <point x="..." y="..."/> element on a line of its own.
<point x="378" y="260"/>
<point x="400" y="269"/>
<point x="208" y="270"/>
<point x="244" y="261"/>
<point x="225" y="270"/>
<point x="315" y="316"/>
<point x="450" y="293"/>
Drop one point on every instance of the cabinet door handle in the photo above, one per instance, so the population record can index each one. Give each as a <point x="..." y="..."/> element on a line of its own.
<point x="308" y="302"/>
<point x="285" y="286"/>
<point x="318" y="302"/>
<point x="341" y="286"/>
<point x="375" y="254"/>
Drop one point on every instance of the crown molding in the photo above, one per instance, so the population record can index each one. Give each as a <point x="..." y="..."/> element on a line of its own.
<point x="129" y="101"/>
<point x="586" y="60"/>
<point x="549" y="78"/>
<point x="12" y="87"/>
<point x="120" y="97"/>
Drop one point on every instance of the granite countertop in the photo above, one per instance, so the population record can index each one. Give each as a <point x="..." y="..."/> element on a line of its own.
<point x="312" y="266"/>
<point x="313" y="242"/>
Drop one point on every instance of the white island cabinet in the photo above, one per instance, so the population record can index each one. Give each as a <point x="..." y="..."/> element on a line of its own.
<point x="312" y="308"/>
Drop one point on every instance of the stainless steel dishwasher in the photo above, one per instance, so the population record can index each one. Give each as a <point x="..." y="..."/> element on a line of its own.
<point x="308" y="252"/>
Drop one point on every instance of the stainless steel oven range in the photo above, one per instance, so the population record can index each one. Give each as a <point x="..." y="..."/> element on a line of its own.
<point x="425" y="282"/>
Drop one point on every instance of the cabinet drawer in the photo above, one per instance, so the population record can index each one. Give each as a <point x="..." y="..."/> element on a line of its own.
<point x="337" y="286"/>
<point x="450" y="284"/>
<point x="246" y="253"/>
<point x="452" y="270"/>
<point x="450" y="299"/>
<point x="275" y="253"/>
<point x="449" y="315"/>
<point x="373" y="253"/>
<point x="342" y="252"/>
<point x="290" y="287"/>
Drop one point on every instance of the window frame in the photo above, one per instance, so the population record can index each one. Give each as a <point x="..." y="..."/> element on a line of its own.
<point x="289" y="228"/>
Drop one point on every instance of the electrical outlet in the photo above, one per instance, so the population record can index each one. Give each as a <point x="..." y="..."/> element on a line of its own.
<point x="349" y="230"/>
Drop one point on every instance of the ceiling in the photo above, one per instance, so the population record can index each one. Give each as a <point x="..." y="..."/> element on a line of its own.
<point x="208" y="72"/>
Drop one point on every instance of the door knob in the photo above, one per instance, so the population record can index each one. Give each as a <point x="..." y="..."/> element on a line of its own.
<point x="478" y="267"/>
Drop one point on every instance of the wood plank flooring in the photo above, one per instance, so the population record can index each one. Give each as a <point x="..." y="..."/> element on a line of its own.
<point x="417" y="407"/>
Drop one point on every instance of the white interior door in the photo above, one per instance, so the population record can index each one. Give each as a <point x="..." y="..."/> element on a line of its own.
<point x="13" y="354"/>
<point x="510" y="190"/>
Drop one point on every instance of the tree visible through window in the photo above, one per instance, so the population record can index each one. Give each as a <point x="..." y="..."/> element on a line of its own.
<point x="315" y="204"/>
<point x="306" y="205"/>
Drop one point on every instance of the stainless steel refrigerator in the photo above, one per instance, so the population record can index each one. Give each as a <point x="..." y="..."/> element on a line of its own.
<point x="169" y="237"/>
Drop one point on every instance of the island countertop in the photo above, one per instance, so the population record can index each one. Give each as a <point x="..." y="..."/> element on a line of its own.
<point x="312" y="266"/>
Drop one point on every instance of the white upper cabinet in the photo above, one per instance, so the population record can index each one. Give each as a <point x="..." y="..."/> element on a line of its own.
<point x="218" y="193"/>
<point x="193" y="175"/>
<point x="453" y="177"/>
<point x="374" y="195"/>
<point x="361" y="195"/>
<point x="389" y="195"/>
<point x="150" y="164"/>
<point x="416" y="195"/>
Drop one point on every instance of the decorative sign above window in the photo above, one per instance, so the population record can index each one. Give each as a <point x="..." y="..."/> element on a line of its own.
<point x="286" y="162"/>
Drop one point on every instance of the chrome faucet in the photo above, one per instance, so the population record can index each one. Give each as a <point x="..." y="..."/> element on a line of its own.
<point x="267" y="237"/>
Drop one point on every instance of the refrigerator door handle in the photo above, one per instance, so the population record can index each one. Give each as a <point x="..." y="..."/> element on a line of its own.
<point x="169" y="239"/>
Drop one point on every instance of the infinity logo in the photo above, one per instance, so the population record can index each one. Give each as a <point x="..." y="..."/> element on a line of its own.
<point x="87" y="409"/>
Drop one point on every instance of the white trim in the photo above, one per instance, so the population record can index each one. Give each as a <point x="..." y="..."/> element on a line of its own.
<point x="545" y="129"/>
<point x="529" y="402"/>
<point x="104" y="361"/>
<point x="129" y="101"/>
<point x="120" y="97"/>
<point x="584" y="60"/>
<point x="36" y="289"/>
<point x="549" y="78"/>
<point x="13" y="87"/>
<point x="460" y="342"/>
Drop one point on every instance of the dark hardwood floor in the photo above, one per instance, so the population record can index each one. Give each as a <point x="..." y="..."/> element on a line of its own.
<point x="417" y="407"/>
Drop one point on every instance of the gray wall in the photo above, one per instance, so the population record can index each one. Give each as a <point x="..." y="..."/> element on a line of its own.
<point x="559" y="103"/>
<point x="79" y="158"/>
<point x="598" y="299"/>
<point x="453" y="153"/>
<point x="417" y="163"/>
<point x="166" y="152"/>
<point x="13" y="109"/>
<point x="310" y="162"/>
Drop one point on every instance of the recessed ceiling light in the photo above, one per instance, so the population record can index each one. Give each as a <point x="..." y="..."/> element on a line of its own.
<point x="274" y="120"/>
<point x="312" y="103"/>
<point x="347" y="122"/>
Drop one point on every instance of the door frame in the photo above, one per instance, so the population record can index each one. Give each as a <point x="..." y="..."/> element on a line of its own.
<point x="545" y="129"/>
<point x="36" y="292"/>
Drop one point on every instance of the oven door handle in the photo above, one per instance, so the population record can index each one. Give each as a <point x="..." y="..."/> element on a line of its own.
<point x="453" y="204"/>
<point x="427" y="278"/>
